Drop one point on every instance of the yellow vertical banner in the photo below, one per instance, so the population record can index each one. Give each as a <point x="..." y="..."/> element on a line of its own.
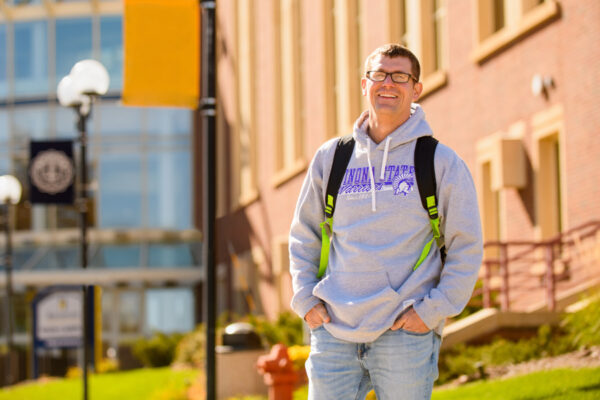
<point x="162" y="53"/>
<point x="97" y="326"/>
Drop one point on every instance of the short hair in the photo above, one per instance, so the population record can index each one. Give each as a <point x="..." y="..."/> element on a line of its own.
<point x="393" y="50"/>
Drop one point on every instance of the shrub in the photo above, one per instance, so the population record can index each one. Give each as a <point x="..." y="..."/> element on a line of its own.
<point x="107" y="365"/>
<point x="583" y="327"/>
<point x="298" y="355"/>
<point x="191" y="348"/>
<point x="74" y="372"/>
<point x="158" y="351"/>
<point x="578" y="329"/>
<point x="287" y="329"/>
<point x="465" y="360"/>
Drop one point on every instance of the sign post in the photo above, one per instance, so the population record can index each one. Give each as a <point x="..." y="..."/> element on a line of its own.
<point x="58" y="320"/>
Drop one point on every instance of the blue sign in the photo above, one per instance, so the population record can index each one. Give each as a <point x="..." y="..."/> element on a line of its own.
<point x="58" y="318"/>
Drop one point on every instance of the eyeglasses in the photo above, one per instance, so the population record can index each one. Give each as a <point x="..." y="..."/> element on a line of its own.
<point x="398" y="77"/>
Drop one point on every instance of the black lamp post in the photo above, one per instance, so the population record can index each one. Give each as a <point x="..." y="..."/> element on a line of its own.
<point x="87" y="80"/>
<point x="10" y="193"/>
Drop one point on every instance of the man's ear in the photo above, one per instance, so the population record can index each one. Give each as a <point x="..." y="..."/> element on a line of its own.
<point x="417" y="90"/>
<point x="363" y="85"/>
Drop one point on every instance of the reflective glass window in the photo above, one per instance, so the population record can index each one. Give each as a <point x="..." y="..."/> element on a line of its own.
<point x="111" y="49"/>
<point x="170" y="121"/>
<point x="169" y="190"/>
<point x="31" y="58"/>
<point x="31" y="122"/>
<point x="120" y="191"/>
<point x="3" y="60"/>
<point x="117" y="120"/>
<point x="170" y="310"/>
<point x="163" y="255"/>
<point x="66" y="122"/>
<point x="130" y="317"/>
<point x="108" y="307"/>
<point x="109" y="256"/>
<point x="21" y="2"/>
<point x="59" y="257"/>
<point x="4" y="133"/>
<point x="4" y="164"/>
<point x="23" y="257"/>
<point x="73" y="43"/>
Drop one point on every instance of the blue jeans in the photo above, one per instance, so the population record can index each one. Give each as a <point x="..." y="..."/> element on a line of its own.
<point x="399" y="365"/>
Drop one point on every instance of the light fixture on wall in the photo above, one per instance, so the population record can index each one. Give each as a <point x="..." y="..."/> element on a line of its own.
<point x="540" y="85"/>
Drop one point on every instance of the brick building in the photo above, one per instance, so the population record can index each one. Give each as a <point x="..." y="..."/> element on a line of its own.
<point x="511" y="85"/>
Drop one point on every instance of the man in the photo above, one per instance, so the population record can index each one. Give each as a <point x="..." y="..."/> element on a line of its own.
<point x="375" y="320"/>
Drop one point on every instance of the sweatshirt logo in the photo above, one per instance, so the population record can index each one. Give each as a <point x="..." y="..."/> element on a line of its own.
<point x="398" y="178"/>
<point x="403" y="184"/>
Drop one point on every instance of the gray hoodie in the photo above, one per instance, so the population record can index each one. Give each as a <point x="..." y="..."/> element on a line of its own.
<point x="379" y="232"/>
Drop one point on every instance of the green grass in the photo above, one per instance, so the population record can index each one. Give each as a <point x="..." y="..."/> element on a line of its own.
<point x="141" y="384"/>
<point x="563" y="384"/>
<point x="559" y="384"/>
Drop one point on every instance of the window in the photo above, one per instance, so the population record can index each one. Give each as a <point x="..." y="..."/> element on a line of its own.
<point x="3" y="133"/>
<point x="244" y="144"/>
<point x="120" y="190"/>
<point x="501" y="168"/>
<point x="111" y="49"/>
<point x="31" y="58"/>
<point x="116" y="256"/>
<point x="348" y="64"/>
<point x="169" y="189"/>
<point x="73" y="43"/>
<point x="32" y="122"/>
<point x="501" y="22"/>
<point x="328" y="68"/>
<point x="170" y="255"/>
<point x="420" y="26"/>
<point x="489" y="193"/>
<point x="3" y="60"/>
<point x="130" y="317"/>
<point x="548" y="134"/>
<point x="119" y="122"/>
<point x="170" y="310"/>
<point x="289" y="140"/>
<point x="281" y="272"/>
<point x="168" y="122"/>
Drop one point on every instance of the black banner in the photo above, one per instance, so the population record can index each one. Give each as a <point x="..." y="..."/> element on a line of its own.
<point x="51" y="172"/>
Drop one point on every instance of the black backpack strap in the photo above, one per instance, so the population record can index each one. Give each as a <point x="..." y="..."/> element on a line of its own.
<point x="425" y="174"/>
<point x="425" y="169"/>
<point x="341" y="158"/>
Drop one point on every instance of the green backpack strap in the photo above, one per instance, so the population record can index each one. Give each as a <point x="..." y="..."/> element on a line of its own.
<point x="341" y="158"/>
<point x="425" y="174"/>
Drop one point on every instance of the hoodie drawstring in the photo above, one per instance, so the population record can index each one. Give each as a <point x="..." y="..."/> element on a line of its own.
<point x="383" y="165"/>
<point x="373" y="202"/>
<point x="385" y="156"/>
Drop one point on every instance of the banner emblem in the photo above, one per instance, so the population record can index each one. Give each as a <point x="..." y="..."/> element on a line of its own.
<point x="51" y="172"/>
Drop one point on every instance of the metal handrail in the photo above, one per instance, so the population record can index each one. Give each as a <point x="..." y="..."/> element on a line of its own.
<point x="564" y="248"/>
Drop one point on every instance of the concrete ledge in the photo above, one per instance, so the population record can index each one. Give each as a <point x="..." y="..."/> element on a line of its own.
<point x="490" y="320"/>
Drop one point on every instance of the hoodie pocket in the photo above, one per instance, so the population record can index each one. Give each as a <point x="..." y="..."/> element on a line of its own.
<point x="359" y="299"/>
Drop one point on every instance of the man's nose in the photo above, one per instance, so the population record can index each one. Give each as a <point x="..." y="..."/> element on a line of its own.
<point x="388" y="80"/>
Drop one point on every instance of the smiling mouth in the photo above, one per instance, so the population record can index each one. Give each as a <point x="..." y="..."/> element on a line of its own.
<point x="387" y="96"/>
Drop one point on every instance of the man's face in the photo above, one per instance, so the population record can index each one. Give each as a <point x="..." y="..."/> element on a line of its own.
<point x="388" y="97"/>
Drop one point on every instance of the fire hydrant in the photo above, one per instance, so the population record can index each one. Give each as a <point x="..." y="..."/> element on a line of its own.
<point x="278" y="371"/>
